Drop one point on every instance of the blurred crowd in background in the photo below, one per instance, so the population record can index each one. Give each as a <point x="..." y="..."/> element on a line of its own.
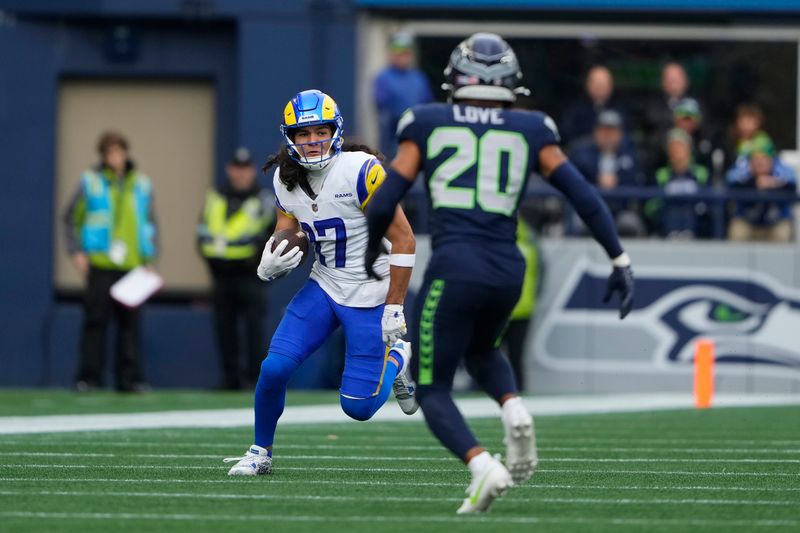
<point x="664" y="170"/>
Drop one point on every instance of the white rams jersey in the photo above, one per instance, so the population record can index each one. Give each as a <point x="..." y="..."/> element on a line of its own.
<point x="335" y="224"/>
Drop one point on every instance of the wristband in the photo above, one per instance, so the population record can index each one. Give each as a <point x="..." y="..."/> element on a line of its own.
<point x="621" y="261"/>
<point x="402" y="260"/>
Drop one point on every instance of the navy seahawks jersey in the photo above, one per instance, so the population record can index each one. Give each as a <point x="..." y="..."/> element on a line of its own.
<point x="476" y="162"/>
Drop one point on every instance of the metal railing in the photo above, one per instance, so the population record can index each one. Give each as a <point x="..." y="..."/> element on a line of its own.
<point x="717" y="200"/>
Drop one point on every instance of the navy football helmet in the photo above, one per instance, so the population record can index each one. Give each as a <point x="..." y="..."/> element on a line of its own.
<point x="483" y="67"/>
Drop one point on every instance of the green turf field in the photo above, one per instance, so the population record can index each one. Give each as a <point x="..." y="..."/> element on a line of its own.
<point x="721" y="470"/>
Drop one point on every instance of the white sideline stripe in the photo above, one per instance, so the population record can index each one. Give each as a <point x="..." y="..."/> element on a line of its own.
<point x="355" y="469"/>
<point x="402" y="458"/>
<point x="317" y="414"/>
<point x="541" y="449"/>
<point x="736" y="442"/>
<point x="415" y="499"/>
<point x="237" y="482"/>
<point x="404" y="519"/>
<point x="354" y="438"/>
<point x="286" y="497"/>
<point x="225" y="468"/>
<point x="667" y="472"/>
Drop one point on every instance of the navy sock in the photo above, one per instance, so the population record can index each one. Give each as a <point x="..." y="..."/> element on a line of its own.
<point x="270" y="397"/>
<point x="445" y="420"/>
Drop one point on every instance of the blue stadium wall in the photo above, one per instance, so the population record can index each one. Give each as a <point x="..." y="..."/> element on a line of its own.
<point x="239" y="44"/>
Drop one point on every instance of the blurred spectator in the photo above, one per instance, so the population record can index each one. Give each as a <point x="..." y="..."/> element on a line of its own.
<point x="398" y="87"/>
<point x="110" y="230"/>
<point x="688" y="117"/>
<point x="231" y="235"/>
<point x="761" y="170"/>
<point x="580" y="117"/>
<point x="609" y="163"/>
<point x="681" y="176"/>
<point x="660" y="112"/>
<point x="513" y="339"/>
<point x="674" y="87"/>
<point x="748" y="127"/>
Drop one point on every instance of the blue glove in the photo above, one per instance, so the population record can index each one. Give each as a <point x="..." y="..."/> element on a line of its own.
<point x="621" y="280"/>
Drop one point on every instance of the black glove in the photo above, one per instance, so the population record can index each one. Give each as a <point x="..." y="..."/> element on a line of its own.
<point x="621" y="279"/>
<point x="369" y="261"/>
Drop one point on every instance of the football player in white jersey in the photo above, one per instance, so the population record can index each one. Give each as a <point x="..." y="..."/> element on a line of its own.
<point x="322" y="186"/>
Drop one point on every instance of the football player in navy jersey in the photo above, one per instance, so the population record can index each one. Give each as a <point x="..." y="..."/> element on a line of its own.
<point x="476" y="153"/>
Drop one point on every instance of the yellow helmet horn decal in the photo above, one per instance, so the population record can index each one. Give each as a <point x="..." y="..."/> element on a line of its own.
<point x="328" y="108"/>
<point x="289" y="118"/>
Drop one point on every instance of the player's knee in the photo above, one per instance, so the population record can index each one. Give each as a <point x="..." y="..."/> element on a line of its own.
<point x="358" y="409"/>
<point x="276" y="370"/>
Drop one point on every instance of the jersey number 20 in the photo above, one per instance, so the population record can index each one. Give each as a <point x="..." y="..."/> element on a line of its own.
<point x="484" y="156"/>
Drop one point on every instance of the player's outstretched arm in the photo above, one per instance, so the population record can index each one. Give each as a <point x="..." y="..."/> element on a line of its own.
<point x="401" y="261"/>
<point x="381" y="209"/>
<point x="563" y="175"/>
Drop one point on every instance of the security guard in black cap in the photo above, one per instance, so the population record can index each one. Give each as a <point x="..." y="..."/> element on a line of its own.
<point x="233" y="229"/>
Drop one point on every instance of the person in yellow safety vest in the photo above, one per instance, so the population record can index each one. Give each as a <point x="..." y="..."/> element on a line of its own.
<point x="234" y="226"/>
<point x="110" y="229"/>
<point x="513" y="339"/>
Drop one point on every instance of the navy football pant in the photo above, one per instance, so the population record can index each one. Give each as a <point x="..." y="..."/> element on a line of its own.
<point x="457" y="321"/>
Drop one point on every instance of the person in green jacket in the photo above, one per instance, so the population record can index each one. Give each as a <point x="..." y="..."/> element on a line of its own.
<point x="514" y="336"/>
<point x="110" y="230"/>
<point x="234" y="227"/>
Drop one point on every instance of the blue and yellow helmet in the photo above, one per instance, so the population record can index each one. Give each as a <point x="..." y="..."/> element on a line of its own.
<point x="312" y="108"/>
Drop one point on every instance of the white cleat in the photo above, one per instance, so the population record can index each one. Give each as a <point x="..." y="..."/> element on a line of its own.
<point x="255" y="462"/>
<point x="404" y="387"/>
<point x="520" y="440"/>
<point x="489" y="482"/>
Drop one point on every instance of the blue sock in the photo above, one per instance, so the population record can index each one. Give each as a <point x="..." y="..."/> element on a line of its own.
<point x="400" y="362"/>
<point x="270" y="397"/>
<point x="363" y="408"/>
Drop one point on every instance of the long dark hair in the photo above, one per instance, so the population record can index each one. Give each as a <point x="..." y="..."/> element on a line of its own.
<point x="293" y="173"/>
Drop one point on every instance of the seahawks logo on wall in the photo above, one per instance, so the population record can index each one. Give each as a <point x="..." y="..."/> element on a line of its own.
<point x="752" y="319"/>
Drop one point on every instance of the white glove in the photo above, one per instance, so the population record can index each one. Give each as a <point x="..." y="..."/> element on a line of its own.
<point x="274" y="265"/>
<point x="393" y="323"/>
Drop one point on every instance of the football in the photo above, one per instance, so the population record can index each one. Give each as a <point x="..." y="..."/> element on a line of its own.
<point x="296" y="238"/>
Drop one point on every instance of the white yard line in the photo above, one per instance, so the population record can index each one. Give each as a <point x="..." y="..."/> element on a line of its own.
<point x="414" y="499"/>
<point x="404" y="519"/>
<point x="272" y="481"/>
<point x="429" y="470"/>
<point x="472" y="407"/>
<point x="414" y="458"/>
<point x="387" y="447"/>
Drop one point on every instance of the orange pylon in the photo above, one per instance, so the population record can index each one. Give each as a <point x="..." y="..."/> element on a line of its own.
<point x="703" y="373"/>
